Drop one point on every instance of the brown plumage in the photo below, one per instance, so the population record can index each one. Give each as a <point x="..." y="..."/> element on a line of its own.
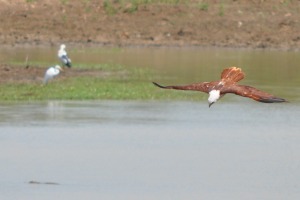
<point x="228" y="84"/>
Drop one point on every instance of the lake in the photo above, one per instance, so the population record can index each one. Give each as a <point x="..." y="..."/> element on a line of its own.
<point x="237" y="149"/>
<point x="149" y="150"/>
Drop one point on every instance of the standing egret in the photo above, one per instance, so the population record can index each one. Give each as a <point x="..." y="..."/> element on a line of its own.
<point x="63" y="56"/>
<point x="51" y="73"/>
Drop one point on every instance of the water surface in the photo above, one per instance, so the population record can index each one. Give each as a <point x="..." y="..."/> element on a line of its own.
<point x="149" y="150"/>
<point x="237" y="149"/>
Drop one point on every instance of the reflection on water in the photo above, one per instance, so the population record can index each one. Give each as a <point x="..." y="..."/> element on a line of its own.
<point x="150" y="150"/>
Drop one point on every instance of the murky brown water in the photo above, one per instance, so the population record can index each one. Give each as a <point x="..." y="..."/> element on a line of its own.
<point x="238" y="149"/>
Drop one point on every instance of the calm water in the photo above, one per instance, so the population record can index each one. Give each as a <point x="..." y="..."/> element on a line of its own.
<point x="149" y="150"/>
<point x="237" y="149"/>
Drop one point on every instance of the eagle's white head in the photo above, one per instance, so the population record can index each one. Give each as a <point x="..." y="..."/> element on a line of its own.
<point x="214" y="95"/>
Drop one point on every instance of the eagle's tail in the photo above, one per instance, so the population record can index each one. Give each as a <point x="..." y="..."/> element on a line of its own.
<point x="232" y="74"/>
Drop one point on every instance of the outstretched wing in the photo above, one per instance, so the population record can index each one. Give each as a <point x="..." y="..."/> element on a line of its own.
<point x="253" y="93"/>
<point x="202" y="87"/>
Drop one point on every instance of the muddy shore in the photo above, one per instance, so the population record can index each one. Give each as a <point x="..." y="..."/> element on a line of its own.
<point x="229" y="23"/>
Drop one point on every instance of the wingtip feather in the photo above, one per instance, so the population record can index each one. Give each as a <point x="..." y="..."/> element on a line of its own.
<point x="158" y="85"/>
<point x="274" y="100"/>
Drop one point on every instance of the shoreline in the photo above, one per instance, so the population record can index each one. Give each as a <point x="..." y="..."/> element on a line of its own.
<point x="143" y="45"/>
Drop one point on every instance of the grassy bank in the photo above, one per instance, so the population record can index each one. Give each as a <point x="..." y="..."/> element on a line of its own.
<point x="118" y="83"/>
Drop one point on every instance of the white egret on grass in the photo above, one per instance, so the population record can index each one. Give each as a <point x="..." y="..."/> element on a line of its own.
<point x="63" y="56"/>
<point x="51" y="73"/>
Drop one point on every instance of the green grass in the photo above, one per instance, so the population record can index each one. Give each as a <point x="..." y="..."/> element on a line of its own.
<point x="109" y="7"/>
<point x="135" y="85"/>
<point x="113" y="7"/>
<point x="203" y="6"/>
<point x="221" y="9"/>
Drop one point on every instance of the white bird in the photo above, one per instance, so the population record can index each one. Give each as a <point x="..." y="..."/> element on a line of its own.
<point x="63" y="56"/>
<point x="51" y="73"/>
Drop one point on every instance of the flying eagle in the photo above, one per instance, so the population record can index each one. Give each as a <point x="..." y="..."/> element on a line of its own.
<point x="228" y="84"/>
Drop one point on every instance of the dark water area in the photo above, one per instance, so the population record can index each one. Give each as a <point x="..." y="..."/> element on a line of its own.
<point x="149" y="150"/>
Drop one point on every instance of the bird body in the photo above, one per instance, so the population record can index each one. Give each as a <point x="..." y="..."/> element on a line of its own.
<point x="214" y="95"/>
<point x="63" y="56"/>
<point x="228" y="84"/>
<point x="51" y="73"/>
